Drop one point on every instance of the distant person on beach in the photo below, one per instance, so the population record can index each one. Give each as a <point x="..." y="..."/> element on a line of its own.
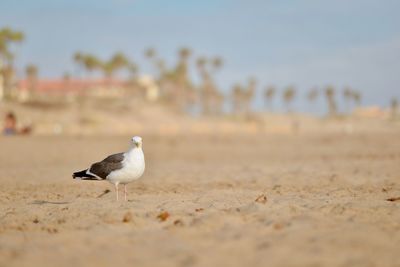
<point x="10" y="124"/>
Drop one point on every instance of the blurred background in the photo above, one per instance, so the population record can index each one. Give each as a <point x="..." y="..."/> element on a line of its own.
<point x="200" y="66"/>
<point x="271" y="132"/>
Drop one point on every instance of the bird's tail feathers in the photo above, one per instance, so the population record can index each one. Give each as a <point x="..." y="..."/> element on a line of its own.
<point x="83" y="175"/>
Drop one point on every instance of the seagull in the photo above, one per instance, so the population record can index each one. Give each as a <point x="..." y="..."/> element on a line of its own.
<point x="121" y="168"/>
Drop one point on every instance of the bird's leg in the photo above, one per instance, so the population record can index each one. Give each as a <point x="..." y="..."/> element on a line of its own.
<point x="116" y="189"/>
<point x="125" y="192"/>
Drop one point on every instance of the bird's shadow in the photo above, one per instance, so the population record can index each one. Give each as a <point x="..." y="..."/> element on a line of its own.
<point x="42" y="202"/>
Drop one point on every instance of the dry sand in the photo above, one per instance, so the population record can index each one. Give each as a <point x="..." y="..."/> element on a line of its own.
<point x="325" y="202"/>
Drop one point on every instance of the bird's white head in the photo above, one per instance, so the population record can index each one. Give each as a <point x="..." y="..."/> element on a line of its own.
<point x="137" y="141"/>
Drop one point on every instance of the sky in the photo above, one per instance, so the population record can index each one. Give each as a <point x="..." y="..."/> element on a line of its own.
<point x="305" y="43"/>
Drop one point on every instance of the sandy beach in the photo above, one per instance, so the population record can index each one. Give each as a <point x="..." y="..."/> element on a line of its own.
<point x="271" y="133"/>
<point x="236" y="200"/>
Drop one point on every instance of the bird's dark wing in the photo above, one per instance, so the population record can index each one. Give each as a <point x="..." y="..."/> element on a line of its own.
<point x="103" y="168"/>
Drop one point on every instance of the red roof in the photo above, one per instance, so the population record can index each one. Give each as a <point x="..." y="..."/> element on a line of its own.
<point x="62" y="85"/>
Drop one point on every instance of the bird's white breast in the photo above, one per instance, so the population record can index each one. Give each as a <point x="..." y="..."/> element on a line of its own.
<point x="133" y="167"/>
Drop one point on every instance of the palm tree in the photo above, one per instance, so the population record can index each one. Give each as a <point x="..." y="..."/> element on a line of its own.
<point x="312" y="95"/>
<point x="150" y="53"/>
<point x="158" y="63"/>
<point x="183" y="91"/>
<point x="211" y="100"/>
<point x="269" y="94"/>
<point x="248" y="94"/>
<point x="7" y="38"/>
<point x="78" y="59"/>
<point x="357" y="98"/>
<point x="66" y="78"/>
<point x="87" y="61"/>
<point x="217" y="63"/>
<point x="347" y="95"/>
<point x="181" y="68"/>
<point x="184" y="53"/>
<point x="91" y="63"/>
<point x="201" y="65"/>
<point x="330" y="97"/>
<point x="120" y="60"/>
<point x="236" y="96"/>
<point x="31" y="72"/>
<point x="117" y="62"/>
<point x="133" y="70"/>
<point x="204" y="88"/>
<point x="394" y="107"/>
<point x="288" y="95"/>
